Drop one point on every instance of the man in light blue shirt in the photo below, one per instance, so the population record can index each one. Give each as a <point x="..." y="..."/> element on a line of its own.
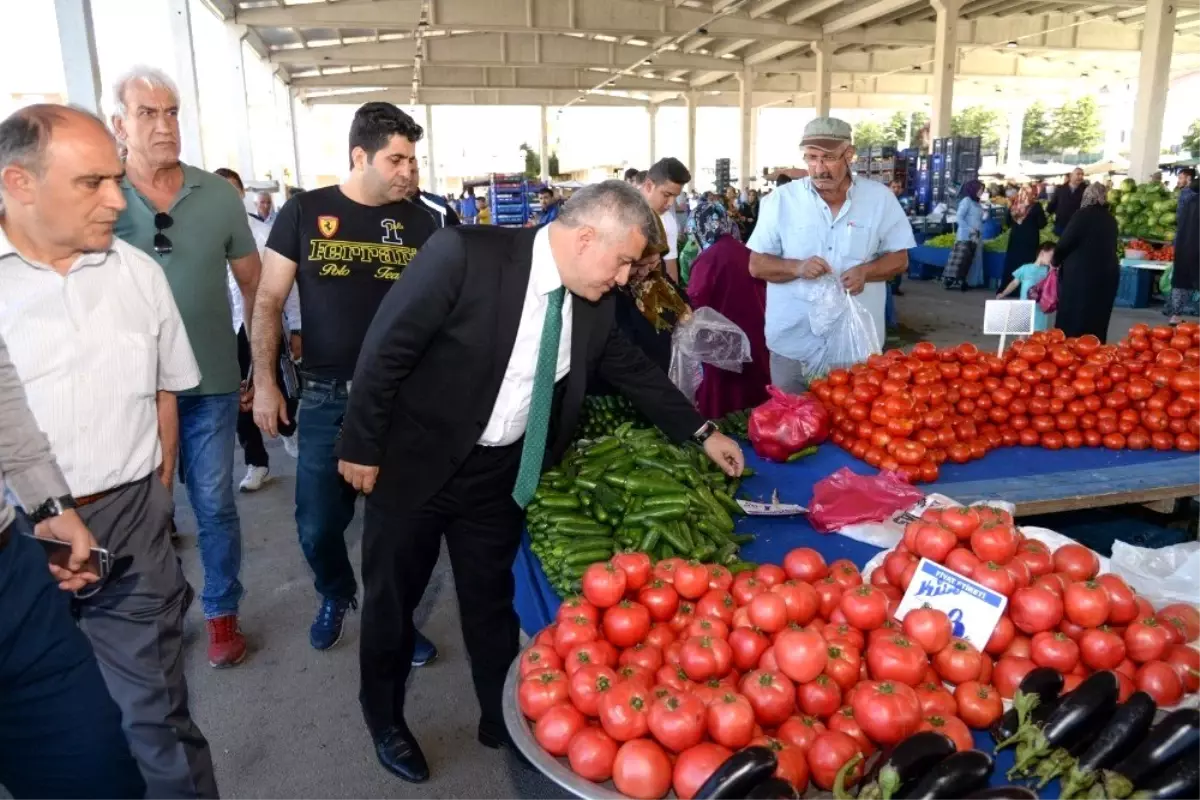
<point x="833" y="224"/>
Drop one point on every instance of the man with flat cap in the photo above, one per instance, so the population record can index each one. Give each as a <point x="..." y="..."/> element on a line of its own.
<point x="831" y="222"/>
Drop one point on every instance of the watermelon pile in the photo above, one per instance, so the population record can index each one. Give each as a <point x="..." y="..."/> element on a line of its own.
<point x="1146" y="211"/>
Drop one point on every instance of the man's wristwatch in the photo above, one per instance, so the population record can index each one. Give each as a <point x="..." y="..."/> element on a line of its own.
<point x="53" y="507"/>
<point x="706" y="430"/>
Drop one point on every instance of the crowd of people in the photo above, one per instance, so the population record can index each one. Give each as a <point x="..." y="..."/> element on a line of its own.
<point x="150" y="319"/>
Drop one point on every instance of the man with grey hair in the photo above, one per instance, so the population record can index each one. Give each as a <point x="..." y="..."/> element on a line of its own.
<point x="96" y="337"/>
<point x="192" y="223"/>
<point x="503" y="327"/>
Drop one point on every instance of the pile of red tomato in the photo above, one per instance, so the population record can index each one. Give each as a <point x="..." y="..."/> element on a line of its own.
<point x="912" y="412"/>
<point x="657" y="674"/>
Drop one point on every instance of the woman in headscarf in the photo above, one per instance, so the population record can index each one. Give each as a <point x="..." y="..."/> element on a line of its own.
<point x="721" y="280"/>
<point x="1086" y="256"/>
<point x="648" y="307"/>
<point x="1025" y="218"/>
<point x="964" y="268"/>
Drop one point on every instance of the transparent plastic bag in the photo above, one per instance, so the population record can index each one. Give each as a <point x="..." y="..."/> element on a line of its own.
<point x="1162" y="575"/>
<point x="844" y="325"/>
<point x="705" y="337"/>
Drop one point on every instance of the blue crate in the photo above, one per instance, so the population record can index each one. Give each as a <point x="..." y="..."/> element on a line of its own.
<point x="1134" y="289"/>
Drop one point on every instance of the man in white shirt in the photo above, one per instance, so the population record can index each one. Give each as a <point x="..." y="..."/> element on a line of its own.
<point x="828" y="224"/>
<point x="97" y="339"/>
<point x="664" y="182"/>
<point x="258" y="462"/>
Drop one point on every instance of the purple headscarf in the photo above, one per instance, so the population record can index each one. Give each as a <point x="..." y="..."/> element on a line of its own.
<point x="971" y="189"/>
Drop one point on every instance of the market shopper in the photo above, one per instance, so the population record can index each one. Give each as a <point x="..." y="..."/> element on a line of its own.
<point x="1067" y="200"/>
<point x="254" y="451"/>
<point x="1086" y="256"/>
<point x="487" y="321"/>
<point x="662" y="184"/>
<point x="344" y="246"/>
<point x="1025" y="218"/>
<point x="550" y="206"/>
<point x="1025" y="277"/>
<point x="964" y="267"/>
<point x="56" y="710"/>
<point x="721" y="280"/>
<point x="829" y="222"/>
<point x="1185" y="273"/>
<point x="192" y="224"/>
<point x="93" y="331"/>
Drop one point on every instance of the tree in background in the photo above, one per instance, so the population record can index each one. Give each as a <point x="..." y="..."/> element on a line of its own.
<point x="1191" y="139"/>
<point x="898" y="125"/>
<point x="1035" y="129"/>
<point x="978" y="121"/>
<point x="869" y="134"/>
<point x="533" y="162"/>
<point x="1076" y="126"/>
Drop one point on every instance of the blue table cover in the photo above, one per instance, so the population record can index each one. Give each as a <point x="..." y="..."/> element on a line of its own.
<point x="537" y="603"/>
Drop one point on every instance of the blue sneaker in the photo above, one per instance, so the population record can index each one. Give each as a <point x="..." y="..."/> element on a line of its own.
<point x="326" y="630"/>
<point x="424" y="651"/>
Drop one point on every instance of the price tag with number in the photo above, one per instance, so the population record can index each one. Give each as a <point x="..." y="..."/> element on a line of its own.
<point x="973" y="608"/>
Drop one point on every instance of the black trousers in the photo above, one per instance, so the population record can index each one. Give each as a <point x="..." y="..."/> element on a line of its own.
<point x="249" y="436"/>
<point x="482" y="525"/>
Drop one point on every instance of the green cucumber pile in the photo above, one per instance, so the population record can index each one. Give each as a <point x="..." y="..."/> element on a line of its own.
<point x="603" y="414"/>
<point x="734" y="423"/>
<point x="633" y="490"/>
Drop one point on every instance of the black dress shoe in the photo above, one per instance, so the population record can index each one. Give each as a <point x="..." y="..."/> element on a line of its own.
<point x="400" y="755"/>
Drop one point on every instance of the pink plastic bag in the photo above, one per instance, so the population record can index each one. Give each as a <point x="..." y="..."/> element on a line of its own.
<point x="1045" y="292"/>
<point x="786" y="424"/>
<point x="845" y="498"/>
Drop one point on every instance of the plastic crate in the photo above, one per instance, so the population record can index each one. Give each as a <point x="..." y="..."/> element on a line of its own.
<point x="1133" y="291"/>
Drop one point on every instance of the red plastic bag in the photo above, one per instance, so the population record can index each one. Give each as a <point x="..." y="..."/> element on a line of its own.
<point x="845" y="498"/>
<point x="1045" y="292"/>
<point x="786" y="424"/>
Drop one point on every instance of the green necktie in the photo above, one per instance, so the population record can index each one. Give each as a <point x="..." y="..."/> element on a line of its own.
<point x="533" y="452"/>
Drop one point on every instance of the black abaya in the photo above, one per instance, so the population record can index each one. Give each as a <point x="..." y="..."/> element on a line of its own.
<point x="1087" y="256"/>
<point x="1023" y="240"/>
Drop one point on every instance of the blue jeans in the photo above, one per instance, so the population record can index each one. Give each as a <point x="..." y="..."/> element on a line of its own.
<point x="324" y="502"/>
<point x="207" y="430"/>
<point x="60" y="731"/>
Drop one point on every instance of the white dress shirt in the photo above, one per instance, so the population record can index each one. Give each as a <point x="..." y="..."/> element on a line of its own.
<point x="671" y="228"/>
<point x="511" y="411"/>
<point x="92" y="348"/>
<point x="291" y="306"/>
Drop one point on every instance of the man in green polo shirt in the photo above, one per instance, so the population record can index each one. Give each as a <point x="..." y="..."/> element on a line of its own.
<point x="191" y="223"/>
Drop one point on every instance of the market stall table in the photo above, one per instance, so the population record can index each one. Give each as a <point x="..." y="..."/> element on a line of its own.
<point x="1034" y="479"/>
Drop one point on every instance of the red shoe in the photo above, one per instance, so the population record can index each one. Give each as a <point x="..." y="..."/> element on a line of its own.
<point x="226" y="645"/>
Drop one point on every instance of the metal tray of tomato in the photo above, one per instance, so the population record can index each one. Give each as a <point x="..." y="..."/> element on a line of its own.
<point x="553" y="768"/>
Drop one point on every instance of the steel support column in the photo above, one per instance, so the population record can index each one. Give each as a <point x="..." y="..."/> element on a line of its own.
<point x="81" y="67"/>
<point x="1158" y="37"/>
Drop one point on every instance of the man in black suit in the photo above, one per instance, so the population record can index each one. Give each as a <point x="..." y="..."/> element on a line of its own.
<point x="470" y="380"/>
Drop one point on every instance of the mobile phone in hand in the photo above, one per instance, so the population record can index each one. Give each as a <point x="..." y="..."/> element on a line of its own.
<point x="59" y="554"/>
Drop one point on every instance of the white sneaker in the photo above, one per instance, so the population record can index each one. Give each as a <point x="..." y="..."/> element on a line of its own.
<point x="254" y="480"/>
<point x="291" y="445"/>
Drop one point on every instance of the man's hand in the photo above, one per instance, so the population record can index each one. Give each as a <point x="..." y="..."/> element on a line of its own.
<point x="725" y="453"/>
<point x="269" y="409"/>
<point x="361" y="477"/>
<point x="166" y="477"/>
<point x="854" y="279"/>
<point x="813" y="268"/>
<point x="296" y="346"/>
<point x="68" y="527"/>
<point x="245" y="396"/>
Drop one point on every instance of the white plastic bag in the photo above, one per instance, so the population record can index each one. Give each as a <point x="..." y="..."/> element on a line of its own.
<point x="843" y="324"/>
<point x="705" y="337"/>
<point x="1162" y="575"/>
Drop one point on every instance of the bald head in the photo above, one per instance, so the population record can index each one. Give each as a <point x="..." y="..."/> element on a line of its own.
<point x="60" y="181"/>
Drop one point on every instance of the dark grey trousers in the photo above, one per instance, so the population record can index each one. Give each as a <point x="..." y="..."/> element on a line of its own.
<point x="135" y="624"/>
<point x="787" y="374"/>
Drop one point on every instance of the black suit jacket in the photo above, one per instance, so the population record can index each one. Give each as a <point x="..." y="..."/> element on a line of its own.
<point x="435" y="354"/>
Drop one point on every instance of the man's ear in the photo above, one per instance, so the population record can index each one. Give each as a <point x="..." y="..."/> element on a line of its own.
<point x="18" y="183"/>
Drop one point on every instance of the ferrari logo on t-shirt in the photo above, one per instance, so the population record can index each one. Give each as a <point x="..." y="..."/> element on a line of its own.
<point x="327" y="225"/>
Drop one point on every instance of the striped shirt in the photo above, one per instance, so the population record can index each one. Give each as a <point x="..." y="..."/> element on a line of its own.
<point x="26" y="463"/>
<point x="92" y="347"/>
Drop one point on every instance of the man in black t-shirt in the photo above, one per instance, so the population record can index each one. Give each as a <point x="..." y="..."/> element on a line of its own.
<point x="344" y="246"/>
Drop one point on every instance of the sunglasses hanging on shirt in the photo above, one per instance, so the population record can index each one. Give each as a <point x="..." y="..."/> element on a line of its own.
<point x="162" y="245"/>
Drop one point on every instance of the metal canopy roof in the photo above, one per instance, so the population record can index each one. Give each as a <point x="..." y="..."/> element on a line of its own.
<point x="637" y="52"/>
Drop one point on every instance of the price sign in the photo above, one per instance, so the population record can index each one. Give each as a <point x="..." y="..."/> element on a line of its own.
<point x="771" y="509"/>
<point x="973" y="608"/>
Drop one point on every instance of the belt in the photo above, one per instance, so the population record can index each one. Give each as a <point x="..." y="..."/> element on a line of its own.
<point x="88" y="499"/>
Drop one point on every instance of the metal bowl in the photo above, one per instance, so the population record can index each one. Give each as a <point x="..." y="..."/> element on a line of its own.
<point x="553" y="768"/>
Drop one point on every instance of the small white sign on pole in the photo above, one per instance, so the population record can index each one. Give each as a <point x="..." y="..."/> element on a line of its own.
<point x="973" y="608"/>
<point x="1006" y="318"/>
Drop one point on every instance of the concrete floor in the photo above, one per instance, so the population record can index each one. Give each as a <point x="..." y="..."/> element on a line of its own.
<point x="286" y="723"/>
